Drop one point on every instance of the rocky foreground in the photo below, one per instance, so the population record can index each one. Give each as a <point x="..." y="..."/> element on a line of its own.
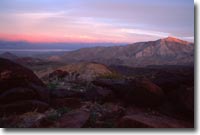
<point x="65" y="100"/>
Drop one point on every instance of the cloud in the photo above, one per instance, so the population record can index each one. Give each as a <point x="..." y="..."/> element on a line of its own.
<point x="40" y="15"/>
<point x="146" y="32"/>
<point x="190" y="39"/>
<point x="98" y="20"/>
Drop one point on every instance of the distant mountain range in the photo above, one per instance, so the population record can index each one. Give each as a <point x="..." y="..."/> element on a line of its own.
<point x="8" y="55"/>
<point x="21" y="60"/>
<point x="167" y="51"/>
<point x="53" y="45"/>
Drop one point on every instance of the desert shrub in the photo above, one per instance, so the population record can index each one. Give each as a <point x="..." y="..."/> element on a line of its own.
<point x="63" y="110"/>
<point x="53" y="117"/>
<point x="93" y="118"/>
<point x="58" y="113"/>
<point x="52" y="86"/>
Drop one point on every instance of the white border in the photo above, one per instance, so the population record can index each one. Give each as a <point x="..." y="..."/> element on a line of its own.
<point x="118" y="131"/>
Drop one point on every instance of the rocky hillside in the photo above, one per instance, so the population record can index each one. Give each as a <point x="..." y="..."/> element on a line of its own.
<point x="170" y="51"/>
<point x="164" y="100"/>
<point x="76" y="71"/>
<point x="21" y="91"/>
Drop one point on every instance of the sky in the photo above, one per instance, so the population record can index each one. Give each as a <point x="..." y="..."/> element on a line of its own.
<point x="90" y="21"/>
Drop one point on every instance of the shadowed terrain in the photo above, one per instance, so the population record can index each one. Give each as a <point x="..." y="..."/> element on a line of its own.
<point x="142" y="85"/>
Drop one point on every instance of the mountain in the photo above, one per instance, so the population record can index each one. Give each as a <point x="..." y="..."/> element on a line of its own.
<point x="167" y="51"/>
<point x="82" y="71"/>
<point x="29" y="61"/>
<point x="49" y="45"/>
<point x="21" y="60"/>
<point x="8" y="55"/>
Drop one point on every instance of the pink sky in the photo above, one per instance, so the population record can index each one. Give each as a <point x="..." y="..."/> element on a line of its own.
<point x="118" y="21"/>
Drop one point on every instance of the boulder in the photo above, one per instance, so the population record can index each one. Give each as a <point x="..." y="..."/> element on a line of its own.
<point x="21" y="91"/>
<point x="178" y="86"/>
<point x="112" y="111"/>
<point x="138" y="91"/>
<point x="73" y="119"/>
<point x="183" y="99"/>
<point x="16" y="76"/>
<point x="19" y="107"/>
<point x="98" y="94"/>
<point x="30" y="120"/>
<point x="27" y="120"/>
<point x="103" y="115"/>
<point x="186" y="98"/>
<point x="17" y="94"/>
<point x="63" y="93"/>
<point x="43" y="93"/>
<point x="147" y="92"/>
<point x="143" y="120"/>
<point x="72" y="103"/>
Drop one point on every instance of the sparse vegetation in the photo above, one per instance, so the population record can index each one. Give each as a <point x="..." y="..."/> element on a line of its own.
<point x="104" y="102"/>
<point x="52" y="86"/>
<point x="63" y="110"/>
<point x="58" y="113"/>
<point x="53" y="117"/>
<point x="93" y="118"/>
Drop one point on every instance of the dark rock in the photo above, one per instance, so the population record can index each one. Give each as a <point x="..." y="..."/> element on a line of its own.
<point x="99" y="94"/>
<point x="151" y="121"/>
<point x="43" y="123"/>
<point x="21" y="91"/>
<point x="186" y="98"/>
<point x="135" y="91"/>
<point x="179" y="90"/>
<point x="170" y="81"/>
<point x="112" y="111"/>
<point x="74" y="119"/>
<point x="23" y="106"/>
<point x="17" y="94"/>
<point x="43" y="93"/>
<point x="27" y="120"/>
<point x="147" y="92"/>
<point x="13" y="75"/>
<point x="72" y="103"/>
<point x="63" y="93"/>
<point x="183" y="100"/>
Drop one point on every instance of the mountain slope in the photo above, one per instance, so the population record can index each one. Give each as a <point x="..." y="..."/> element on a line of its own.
<point x="8" y="55"/>
<point x="21" y="90"/>
<point x="83" y="71"/>
<point x="169" y="51"/>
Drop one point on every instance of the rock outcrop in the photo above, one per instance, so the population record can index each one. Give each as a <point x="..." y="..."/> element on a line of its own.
<point x="135" y="91"/>
<point x="20" y="89"/>
<point x="151" y="121"/>
<point x="74" y="119"/>
<point x="77" y="71"/>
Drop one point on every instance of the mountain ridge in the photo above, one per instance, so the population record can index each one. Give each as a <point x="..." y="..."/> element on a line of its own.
<point x="169" y="51"/>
